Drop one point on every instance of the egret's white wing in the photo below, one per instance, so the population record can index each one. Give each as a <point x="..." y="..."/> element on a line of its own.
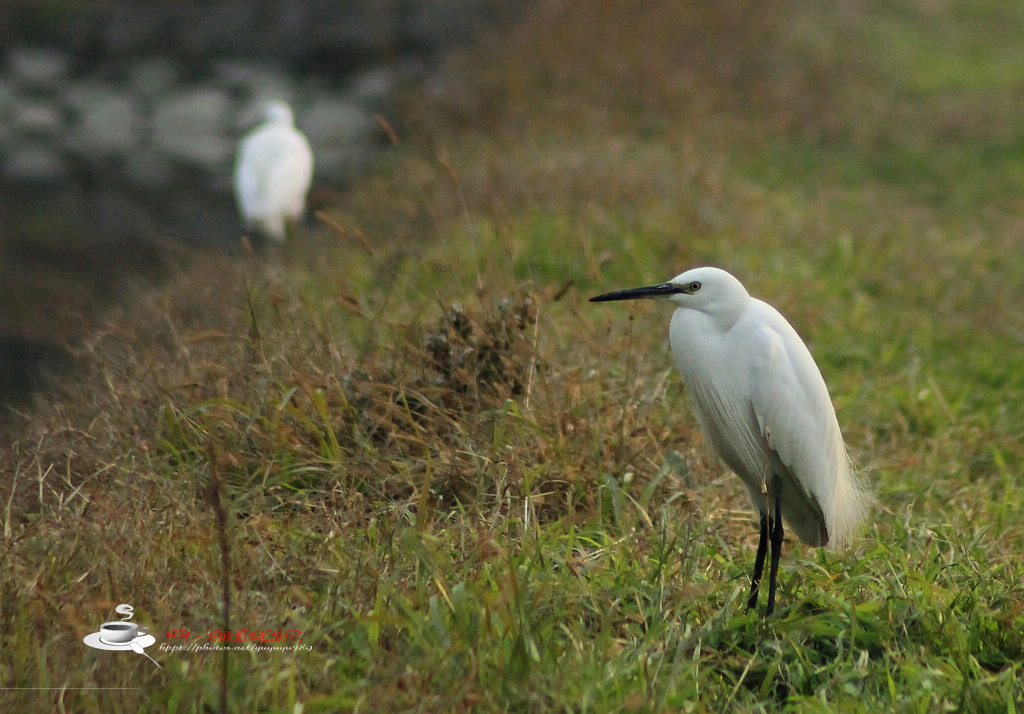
<point x="763" y="407"/>
<point x="795" y="413"/>
<point x="718" y="368"/>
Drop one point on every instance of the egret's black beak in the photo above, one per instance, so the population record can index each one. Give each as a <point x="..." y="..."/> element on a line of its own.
<point x="651" y="291"/>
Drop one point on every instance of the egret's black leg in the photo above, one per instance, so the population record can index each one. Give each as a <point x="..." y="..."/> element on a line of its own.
<point x="776" y="540"/>
<point x="762" y="549"/>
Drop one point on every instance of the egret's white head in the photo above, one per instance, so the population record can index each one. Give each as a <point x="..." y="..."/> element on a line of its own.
<point x="709" y="290"/>
<point x="278" y="113"/>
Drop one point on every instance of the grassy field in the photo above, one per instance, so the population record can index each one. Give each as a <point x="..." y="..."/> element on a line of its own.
<point x="410" y="438"/>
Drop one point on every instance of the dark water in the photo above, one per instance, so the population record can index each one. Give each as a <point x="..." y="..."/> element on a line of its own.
<point x="23" y="362"/>
<point x="70" y="250"/>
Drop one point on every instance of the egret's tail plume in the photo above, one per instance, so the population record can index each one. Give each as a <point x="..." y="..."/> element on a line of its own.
<point x="849" y="506"/>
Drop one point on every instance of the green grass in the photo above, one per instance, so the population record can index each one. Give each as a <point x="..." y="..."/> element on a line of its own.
<point x="471" y="490"/>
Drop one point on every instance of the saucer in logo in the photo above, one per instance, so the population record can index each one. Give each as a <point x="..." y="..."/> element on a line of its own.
<point x="97" y="640"/>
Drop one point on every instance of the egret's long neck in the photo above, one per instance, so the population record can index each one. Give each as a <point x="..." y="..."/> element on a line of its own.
<point x="725" y="314"/>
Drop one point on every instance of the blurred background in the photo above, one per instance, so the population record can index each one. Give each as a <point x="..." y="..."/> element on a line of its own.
<point x="119" y="122"/>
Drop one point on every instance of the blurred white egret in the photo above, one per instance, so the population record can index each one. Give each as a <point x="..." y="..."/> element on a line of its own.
<point x="764" y="408"/>
<point x="273" y="172"/>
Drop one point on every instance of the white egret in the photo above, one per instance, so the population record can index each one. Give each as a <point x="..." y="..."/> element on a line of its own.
<point x="763" y="407"/>
<point x="273" y="172"/>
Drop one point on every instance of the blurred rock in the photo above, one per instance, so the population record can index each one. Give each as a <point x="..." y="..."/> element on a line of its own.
<point x="109" y="122"/>
<point x="34" y="163"/>
<point x="43" y="67"/>
<point x="340" y="132"/>
<point x="193" y="125"/>
<point x="148" y="168"/>
<point x="329" y="120"/>
<point x="154" y="75"/>
<point x="35" y="117"/>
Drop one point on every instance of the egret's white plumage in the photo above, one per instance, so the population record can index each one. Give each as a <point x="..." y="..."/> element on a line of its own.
<point x="762" y="405"/>
<point x="273" y="172"/>
<point x="758" y="393"/>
